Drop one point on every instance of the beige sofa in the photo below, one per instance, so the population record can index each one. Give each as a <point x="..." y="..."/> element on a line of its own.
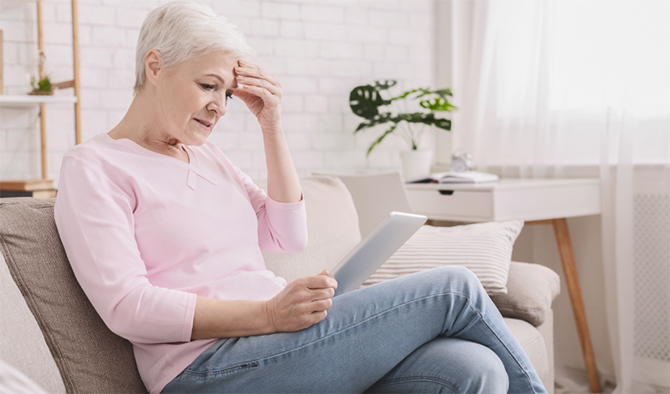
<point x="51" y="333"/>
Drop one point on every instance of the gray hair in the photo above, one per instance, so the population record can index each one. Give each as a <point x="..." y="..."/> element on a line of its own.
<point x="182" y="29"/>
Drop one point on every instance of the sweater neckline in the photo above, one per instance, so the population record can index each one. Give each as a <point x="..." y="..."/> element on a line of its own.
<point x="135" y="147"/>
<point x="192" y="166"/>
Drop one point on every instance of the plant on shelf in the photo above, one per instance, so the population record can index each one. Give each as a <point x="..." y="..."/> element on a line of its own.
<point x="41" y="87"/>
<point x="369" y="102"/>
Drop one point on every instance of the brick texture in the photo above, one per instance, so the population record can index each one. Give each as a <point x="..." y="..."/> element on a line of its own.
<point x="318" y="49"/>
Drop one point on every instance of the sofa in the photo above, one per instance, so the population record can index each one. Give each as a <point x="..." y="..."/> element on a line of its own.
<point x="51" y="334"/>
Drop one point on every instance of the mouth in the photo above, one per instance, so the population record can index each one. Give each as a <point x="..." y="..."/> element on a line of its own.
<point x="205" y="123"/>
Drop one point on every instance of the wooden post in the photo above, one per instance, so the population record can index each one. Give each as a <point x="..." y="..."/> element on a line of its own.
<point x="40" y="38"/>
<point x="43" y="107"/>
<point x="572" y="280"/>
<point x="77" y="85"/>
<point x="2" y="87"/>
<point x="575" y="292"/>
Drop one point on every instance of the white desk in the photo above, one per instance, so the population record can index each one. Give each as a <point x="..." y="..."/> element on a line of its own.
<point x="536" y="201"/>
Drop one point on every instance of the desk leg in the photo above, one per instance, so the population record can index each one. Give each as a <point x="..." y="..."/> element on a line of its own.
<point x="570" y="271"/>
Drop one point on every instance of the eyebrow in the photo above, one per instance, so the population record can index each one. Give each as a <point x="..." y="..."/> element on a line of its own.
<point x="221" y="79"/>
<point x="218" y="77"/>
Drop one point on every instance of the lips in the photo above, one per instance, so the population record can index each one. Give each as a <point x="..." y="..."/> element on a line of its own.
<point x="203" y="122"/>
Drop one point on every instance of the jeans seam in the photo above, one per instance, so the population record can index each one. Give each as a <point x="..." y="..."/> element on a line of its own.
<point x="481" y="315"/>
<point x="418" y="378"/>
<point x="224" y="371"/>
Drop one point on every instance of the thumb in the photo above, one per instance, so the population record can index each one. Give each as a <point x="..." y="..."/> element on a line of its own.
<point x="324" y="272"/>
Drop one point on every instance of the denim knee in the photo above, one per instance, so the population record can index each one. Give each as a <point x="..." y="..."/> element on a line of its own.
<point x="487" y="374"/>
<point x="493" y="378"/>
<point x="461" y="275"/>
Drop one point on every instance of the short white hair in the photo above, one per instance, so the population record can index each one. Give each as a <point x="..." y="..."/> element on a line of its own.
<point x="180" y="30"/>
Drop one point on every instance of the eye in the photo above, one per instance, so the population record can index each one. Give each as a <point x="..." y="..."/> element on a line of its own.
<point x="229" y="96"/>
<point x="207" y="86"/>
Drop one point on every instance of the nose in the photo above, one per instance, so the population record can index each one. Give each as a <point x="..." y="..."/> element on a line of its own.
<point x="218" y="104"/>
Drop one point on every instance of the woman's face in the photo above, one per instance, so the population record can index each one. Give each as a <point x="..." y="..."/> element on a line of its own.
<point x="192" y="96"/>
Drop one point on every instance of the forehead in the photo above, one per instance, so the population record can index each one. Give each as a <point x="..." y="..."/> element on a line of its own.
<point x="215" y="62"/>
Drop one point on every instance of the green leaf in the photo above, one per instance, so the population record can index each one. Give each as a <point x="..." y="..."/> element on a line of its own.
<point x="427" y="119"/>
<point x="424" y="92"/>
<point x="437" y="104"/>
<point x="380" y="139"/>
<point x="443" y="92"/>
<point x="377" y="120"/>
<point x="385" y="84"/>
<point x="365" y="101"/>
<point x="415" y="117"/>
<point x="407" y="93"/>
<point x="43" y="85"/>
<point x="444" y="124"/>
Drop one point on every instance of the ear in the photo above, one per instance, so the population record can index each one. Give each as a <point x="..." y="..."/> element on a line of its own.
<point x="153" y="65"/>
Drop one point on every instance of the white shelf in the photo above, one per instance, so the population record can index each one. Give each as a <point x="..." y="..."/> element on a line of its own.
<point x="27" y="100"/>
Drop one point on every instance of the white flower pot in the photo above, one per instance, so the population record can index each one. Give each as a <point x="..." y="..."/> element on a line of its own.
<point x="416" y="163"/>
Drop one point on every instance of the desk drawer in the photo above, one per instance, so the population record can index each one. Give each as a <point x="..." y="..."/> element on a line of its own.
<point x="452" y="204"/>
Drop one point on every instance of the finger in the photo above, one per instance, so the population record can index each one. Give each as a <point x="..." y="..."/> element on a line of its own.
<point x="251" y="81"/>
<point x="240" y="93"/>
<point x="324" y="272"/>
<point x="268" y="98"/>
<point x="323" y="294"/>
<point x="320" y="306"/>
<point x="321" y="282"/>
<point x="249" y="70"/>
<point x="318" y="316"/>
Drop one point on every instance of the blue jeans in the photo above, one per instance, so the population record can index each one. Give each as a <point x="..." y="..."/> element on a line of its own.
<point x="433" y="331"/>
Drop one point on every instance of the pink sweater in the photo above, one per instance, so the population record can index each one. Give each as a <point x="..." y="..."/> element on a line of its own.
<point x="145" y="233"/>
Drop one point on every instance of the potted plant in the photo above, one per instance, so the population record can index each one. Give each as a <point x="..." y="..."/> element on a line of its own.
<point x="375" y="104"/>
<point x="41" y="87"/>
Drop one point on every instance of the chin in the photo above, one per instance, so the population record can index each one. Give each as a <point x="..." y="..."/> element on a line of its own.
<point x="198" y="141"/>
<point x="198" y="138"/>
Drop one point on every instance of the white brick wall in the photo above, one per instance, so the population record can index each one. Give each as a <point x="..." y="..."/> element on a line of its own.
<point x="319" y="49"/>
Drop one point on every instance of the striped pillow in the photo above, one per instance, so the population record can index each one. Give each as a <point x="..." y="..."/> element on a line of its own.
<point x="484" y="248"/>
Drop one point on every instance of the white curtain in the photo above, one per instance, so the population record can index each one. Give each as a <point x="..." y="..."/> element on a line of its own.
<point x="545" y="87"/>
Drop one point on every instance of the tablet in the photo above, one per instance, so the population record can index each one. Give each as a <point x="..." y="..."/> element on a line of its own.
<point x="380" y="244"/>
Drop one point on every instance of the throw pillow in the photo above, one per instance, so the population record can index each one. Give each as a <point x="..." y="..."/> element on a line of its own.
<point x="484" y="248"/>
<point x="532" y="289"/>
<point x="90" y="357"/>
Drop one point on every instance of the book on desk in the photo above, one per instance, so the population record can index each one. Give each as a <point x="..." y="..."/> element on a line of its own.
<point x="37" y="188"/>
<point x="456" y="177"/>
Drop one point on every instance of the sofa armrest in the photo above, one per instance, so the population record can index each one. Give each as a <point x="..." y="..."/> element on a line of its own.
<point x="531" y="288"/>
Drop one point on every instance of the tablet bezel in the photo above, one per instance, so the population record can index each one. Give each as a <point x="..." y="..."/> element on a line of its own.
<point x="380" y="244"/>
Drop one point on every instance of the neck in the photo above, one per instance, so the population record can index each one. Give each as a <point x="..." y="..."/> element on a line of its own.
<point x="142" y="125"/>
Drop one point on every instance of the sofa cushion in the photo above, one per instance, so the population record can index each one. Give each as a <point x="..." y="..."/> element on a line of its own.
<point x="332" y="230"/>
<point x="89" y="356"/>
<point x="532" y="342"/>
<point x="21" y="342"/>
<point x="531" y="290"/>
<point x="484" y="248"/>
<point x="13" y="381"/>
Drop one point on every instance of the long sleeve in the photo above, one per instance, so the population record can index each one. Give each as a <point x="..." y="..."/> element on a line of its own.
<point x="95" y="221"/>
<point x="282" y="227"/>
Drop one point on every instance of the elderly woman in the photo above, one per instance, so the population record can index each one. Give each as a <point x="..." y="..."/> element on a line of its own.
<point x="164" y="235"/>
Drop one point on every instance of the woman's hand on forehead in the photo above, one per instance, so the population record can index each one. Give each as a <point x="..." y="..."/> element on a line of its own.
<point x="261" y="92"/>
